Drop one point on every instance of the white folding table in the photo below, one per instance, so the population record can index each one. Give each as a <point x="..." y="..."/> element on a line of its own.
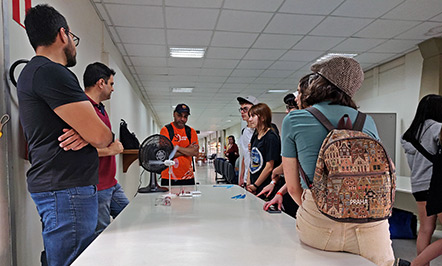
<point x="212" y="229"/>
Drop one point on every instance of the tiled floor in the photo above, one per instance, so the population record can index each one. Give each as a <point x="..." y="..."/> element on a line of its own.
<point x="403" y="248"/>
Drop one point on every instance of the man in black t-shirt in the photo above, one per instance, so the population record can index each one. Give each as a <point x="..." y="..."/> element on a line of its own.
<point x="64" y="169"/>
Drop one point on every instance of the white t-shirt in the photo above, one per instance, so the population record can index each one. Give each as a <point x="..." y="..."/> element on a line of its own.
<point x="244" y="141"/>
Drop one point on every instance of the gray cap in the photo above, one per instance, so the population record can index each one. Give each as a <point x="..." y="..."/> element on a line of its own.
<point x="249" y="99"/>
<point x="343" y="72"/>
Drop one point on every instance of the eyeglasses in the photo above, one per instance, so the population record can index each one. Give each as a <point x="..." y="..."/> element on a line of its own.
<point x="243" y="109"/>
<point x="75" y="38"/>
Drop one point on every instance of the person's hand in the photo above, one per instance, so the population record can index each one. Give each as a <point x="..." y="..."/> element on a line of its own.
<point x="71" y="140"/>
<point x="267" y="190"/>
<point x="251" y="188"/>
<point x="116" y="147"/>
<point x="277" y="199"/>
<point x="250" y="147"/>
<point x="274" y="174"/>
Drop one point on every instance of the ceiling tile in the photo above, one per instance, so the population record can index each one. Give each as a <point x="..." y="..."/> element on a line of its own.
<point x="276" y="41"/>
<point x="244" y="80"/>
<point x="141" y="35"/>
<point x="365" y="8"/>
<point x="114" y="34"/>
<point x="338" y="26"/>
<point x="304" y="56"/>
<point x="191" y="18"/>
<point x="184" y="62"/>
<point x="292" y="24"/>
<point x="219" y="63"/>
<point x="253" y="5"/>
<point x="287" y="65"/>
<point x="194" y="3"/>
<point x="382" y="28"/>
<point x="422" y="31"/>
<point x="152" y="70"/>
<point x="246" y="21"/>
<point x="211" y="79"/>
<point x="233" y="39"/>
<point x="373" y="57"/>
<point x="264" y="54"/>
<point x="184" y="71"/>
<point x="246" y="72"/>
<point x="178" y="80"/>
<point x="314" y="43"/>
<point x="255" y="64"/>
<point x="103" y="13"/>
<point x="357" y="45"/>
<point x="121" y="48"/>
<point x="267" y="80"/>
<point x="196" y="38"/>
<point x="148" y="61"/>
<point x="145" y="50"/>
<point x="225" y="53"/>
<point x="272" y="73"/>
<point x="314" y="7"/>
<point x="437" y="18"/>
<point x="396" y="46"/>
<point x="415" y="10"/>
<point x="136" y="16"/>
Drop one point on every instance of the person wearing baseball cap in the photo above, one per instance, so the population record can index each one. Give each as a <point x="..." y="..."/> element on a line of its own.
<point x="245" y="104"/>
<point x="331" y="88"/>
<point x="186" y="139"/>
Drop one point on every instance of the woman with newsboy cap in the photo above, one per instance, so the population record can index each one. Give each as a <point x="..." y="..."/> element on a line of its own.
<point x="331" y="88"/>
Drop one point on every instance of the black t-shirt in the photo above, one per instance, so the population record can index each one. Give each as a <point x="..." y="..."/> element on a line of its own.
<point x="263" y="150"/>
<point x="43" y="86"/>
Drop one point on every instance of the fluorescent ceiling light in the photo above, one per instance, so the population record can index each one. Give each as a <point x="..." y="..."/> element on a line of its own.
<point x="277" y="91"/>
<point x="182" y="90"/>
<point x="187" y="52"/>
<point x="327" y="56"/>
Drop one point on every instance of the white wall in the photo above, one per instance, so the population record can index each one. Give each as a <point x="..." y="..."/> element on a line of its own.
<point x="394" y="88"/>
<point x="95" y="45"/>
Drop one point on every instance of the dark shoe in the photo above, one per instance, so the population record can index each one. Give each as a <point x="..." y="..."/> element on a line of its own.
<point x="401" y="262"/>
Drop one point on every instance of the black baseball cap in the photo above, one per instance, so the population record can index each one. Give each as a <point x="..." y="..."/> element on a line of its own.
<point x="182" y="108"/>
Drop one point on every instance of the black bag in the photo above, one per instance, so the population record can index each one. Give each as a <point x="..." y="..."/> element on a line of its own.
<point x="434" y="201"/>
<point x="128" y="139"/>
<point x="403" y="224"/>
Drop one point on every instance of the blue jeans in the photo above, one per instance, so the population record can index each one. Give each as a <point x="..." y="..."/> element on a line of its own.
<point x="69" y="218"/>
<point x="111" y="202"/>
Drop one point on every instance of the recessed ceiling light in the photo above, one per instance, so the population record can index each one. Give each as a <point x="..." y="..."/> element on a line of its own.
<point x="182" y="90"/>
<point x="327" y="56"/>
<point x="187" y="52"/>
<point x="277" y="91"/>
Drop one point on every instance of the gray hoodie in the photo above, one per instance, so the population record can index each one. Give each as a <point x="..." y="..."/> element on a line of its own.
<point x="421" y="168"/>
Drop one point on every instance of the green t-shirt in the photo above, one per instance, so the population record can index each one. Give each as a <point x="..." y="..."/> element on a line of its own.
<point x="302" y="134"/>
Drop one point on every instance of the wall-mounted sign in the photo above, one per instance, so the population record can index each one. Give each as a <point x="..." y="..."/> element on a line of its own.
<point x="19" y="8"/>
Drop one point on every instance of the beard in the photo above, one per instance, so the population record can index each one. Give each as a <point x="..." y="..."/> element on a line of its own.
<point x="70" y="54"/>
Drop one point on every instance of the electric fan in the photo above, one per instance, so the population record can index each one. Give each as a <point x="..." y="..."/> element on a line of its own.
<point x="155" y="156"/>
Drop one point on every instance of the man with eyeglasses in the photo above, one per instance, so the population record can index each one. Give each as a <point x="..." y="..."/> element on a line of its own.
<point x="63" y="133"/>
<point x="246" y="134"/>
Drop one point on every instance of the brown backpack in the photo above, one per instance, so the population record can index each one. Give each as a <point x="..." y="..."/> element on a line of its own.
<point x="354" y="178"/>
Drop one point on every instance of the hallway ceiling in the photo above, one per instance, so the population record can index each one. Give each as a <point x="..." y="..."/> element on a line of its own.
<point x="253" y="45"/>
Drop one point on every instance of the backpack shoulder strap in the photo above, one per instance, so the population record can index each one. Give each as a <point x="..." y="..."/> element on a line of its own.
<point x="422" y="150"/>
<point x="359" y="122"/>
<point x="321" y="118"/>
<point x="188" y="133"/>
<point x="170" y="130"/>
